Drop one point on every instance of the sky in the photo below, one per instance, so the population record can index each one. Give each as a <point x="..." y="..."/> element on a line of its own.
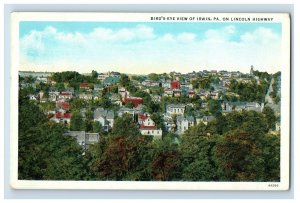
<point x="149" y="47"/>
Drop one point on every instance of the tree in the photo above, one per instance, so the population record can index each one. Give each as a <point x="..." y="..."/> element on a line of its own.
<point x="165" y="164"/>
<point x="60" y="87"/>
<point x="30" y="115"/>
<point x="239" y="157"/>
<point x="129" y="105"/>
<point x="157" y="118"/>
<point x="46" y="154"/>
<point x="94" y="74"/>
<point x="77" y="122"/>
<point x="124" y="154"/>
<point x="124" y="80"/>
<point x="196" y="148"/>
<point x="153" y="77"/>
<point x="214" y="107"/>
<point x="97" y="127"/>
<point x="270" y="117"/>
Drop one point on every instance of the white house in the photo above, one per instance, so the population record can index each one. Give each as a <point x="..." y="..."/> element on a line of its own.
<point x="155" y="98"/>
<point x="102" y="76"/>
<point x="32" y="97"/>
<point x="61" y="117"/>
<point x="184" y="123"/>
<point x="168" y="92"/>
<point x="148" y="127"/>
<point x="65" y="95"/>
<point x="176" y="109"/>
<point x="205" y="119"/>
<point x="86" y="96"/>
<point x="239" y="106"/>
<point x="105" y="117"/>
<point x="169" y="123"/>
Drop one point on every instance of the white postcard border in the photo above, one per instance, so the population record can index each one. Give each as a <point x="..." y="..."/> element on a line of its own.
<point x="148" y="185"/>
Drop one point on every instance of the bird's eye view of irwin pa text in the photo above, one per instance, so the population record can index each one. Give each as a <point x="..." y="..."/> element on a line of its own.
<point x="150" y="101"/>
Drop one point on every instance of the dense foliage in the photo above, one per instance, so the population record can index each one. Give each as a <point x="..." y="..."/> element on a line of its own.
<point x="233" y="147"/>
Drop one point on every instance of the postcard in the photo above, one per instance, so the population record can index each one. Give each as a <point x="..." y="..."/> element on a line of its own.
<point x="150" y="101"/>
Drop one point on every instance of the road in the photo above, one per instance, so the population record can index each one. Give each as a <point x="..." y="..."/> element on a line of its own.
<point x="268" y="99"/>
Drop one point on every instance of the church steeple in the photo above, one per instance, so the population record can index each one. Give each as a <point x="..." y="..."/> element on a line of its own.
<point x="251" y="70"/>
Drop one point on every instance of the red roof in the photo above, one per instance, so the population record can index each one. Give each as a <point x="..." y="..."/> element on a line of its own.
<point x="142" y="116"/>
<point x="65" y="93"/>
<point x="63" y="105"/>
<point x="175" y="85"/>
<point x="142" y="127"/>
<point x="60" y="115"/>
<point x="135" y="100"/>
<point x="84" y="84"/>
<point x="191" y="92"/>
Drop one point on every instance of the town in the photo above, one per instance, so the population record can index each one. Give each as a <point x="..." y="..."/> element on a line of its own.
<point x="88" y="104"/>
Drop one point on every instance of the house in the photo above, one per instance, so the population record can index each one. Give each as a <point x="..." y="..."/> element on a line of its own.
<point x="124" y="110"/>
<point x="205" y="119"/>
<point x="155" y="98"/>
<point x="33" y="97"/>
<point x="105" y="117"/>
<point x="102" y="76"/>
<point x="240" y="106"/>
<point x="65" y="95"/>
<point x="175" y="85"/>
<point x="61" y="117"/>
<point x="98" y="87"/>
<point x="177" y="92"/>
<point x="191" y="94"/>
<point x="115" y="99"/>
<point x="168" y="92"/>
<point x="150" y="83"/>
<point x="70" y="89"/>
<point x="96" y="95"/>
<point x="166" y="84"/>
<point x="84" y="139"/>
<point x="136" y="101"/>
<point x="148" y="127"/>
<point x="53" y="95"/>
<point x="184" y="123"/>
<point x="85" y="86"/>
<point x="169" y="123"/>
<point x="63" y="105"/>
<point x="214" y="95"/>
<point x="111" y="80"/>
<point x="173" y="109"/>
<point x="86" y="96"/>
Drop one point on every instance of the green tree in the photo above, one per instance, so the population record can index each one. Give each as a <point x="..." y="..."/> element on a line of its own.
<point x="124" y="154"/>
<point x="46" y="154"/>
<point x="129" y="105"/>
<point x="77" y="123"/>
<point x="214" y="107"/>
<point x="60" y="87"/>
<point x="270" y="117"/>
<point x="239" y="157"/>
<point x="30" y="115"/>
<point x="157" y="118"/>
<point x="153" y="77"/>
<point x="196" y="148"/>
<point x="94" y="74"/>
<point x="97" y="127"/>
<point x="124" y="80"/>
<point x="165" y="164"/>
